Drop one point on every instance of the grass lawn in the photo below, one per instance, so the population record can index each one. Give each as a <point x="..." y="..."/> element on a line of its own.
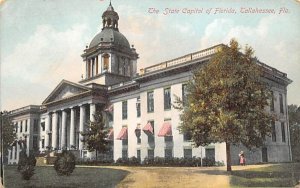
<point x="277" y="175"/>
<point x="45" y="176"/>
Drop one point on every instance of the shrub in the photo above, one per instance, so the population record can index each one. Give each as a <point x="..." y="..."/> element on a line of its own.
<point x="27" y="171"/>
<point x="220" y="163"/>
<point x="133" y="161"/>
<point x="31" y="159"/>
<point x="148" y="161"/>
<point x="208" y="161"/>
<point x="26" y="164"/>
<point x="22" y="160"/>
<point x="65" y="163"/>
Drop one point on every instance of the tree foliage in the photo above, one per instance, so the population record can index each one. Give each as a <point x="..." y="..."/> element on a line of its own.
<point x="294" y="121"/>
<point x="8" y="134"/>
<point x="96" y="134"/>
<point x="226" y="101"/>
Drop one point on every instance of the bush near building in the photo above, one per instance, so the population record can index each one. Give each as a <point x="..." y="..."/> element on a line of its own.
<point x="26" y="165"/>
<point x="65" y="163"/>
<point x="157" y="161"/>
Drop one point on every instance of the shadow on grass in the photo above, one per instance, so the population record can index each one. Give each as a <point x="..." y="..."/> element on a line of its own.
<point x="81" y="177"/>
<point x="279" y="175"/>
<point x="264" y="179"/>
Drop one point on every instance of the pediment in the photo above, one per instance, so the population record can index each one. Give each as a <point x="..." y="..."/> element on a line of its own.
<point x="65" y="89"/>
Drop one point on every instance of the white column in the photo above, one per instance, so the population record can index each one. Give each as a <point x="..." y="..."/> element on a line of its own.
<point x="81" y="125"/>
<point x="24" y="126"/>
<point x="92" y="119"/>
<point x="86" y="69"/>
<point x="100" y="69"/>
<point x="9" y="156"/>
<point x="72" y="128"/>
<point x="63" y="131"/>
<point x="47" y="128"/>
<point x="29" y="136"/>
<point x="13" y="152"/>
<point x="54" y="130"/>
<point x="92" y="112"/>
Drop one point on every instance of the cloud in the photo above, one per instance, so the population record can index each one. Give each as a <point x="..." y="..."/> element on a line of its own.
<point x="41" y="62"/>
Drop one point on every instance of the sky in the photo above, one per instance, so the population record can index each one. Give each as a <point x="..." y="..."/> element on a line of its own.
<point x="41" y="40"/>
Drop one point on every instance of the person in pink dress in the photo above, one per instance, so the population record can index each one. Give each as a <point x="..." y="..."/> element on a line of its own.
<point x="242" y="158"/>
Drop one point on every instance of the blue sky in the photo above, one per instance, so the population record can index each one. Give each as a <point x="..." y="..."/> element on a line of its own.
<point x="42" y="40"/>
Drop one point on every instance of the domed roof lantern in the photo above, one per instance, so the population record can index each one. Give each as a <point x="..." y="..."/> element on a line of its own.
<point x="110" y="18"/>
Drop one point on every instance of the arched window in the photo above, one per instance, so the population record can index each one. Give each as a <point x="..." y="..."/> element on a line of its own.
<point x="105" y="62"/>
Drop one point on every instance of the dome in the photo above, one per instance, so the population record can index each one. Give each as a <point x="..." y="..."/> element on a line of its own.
<point x="110" y="35"/>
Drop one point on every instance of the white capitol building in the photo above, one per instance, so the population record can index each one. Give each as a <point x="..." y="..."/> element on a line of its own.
<point x="137" y="106"/>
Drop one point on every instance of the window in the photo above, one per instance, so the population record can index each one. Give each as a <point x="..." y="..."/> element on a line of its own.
<point x="168" y="153"/>
<point x="43" y="126"/>
<point x="187" y="136"/>
<point x="105" y="62"/>
<point x="43" y="143"/>
<point x="35" y="142"/>
<point x="150" y="101"/>
<point x="35" y="125"/>
<point x="21" y="127"/>
<point x="184" y="94"/>
<point x="124" y="154"/>
<point x="282" y="131"/>
<point x="168" y="138"/>
<point x="125" y="142"/>
<point x="272" y="102"/>
<point x="150" y="154"/>
<point x="187" y="153"/>
<point x="281" y="103"/>
<point x="16" y="151"/>
<point x="138" y="134"/>
<point x="50" y="139"/>
<point x="273" y="131"/>
<point x="210" y="153"/>
<point x="138" y="154"/>
<point x="124" y="110"/>
<point x="138" y="107"/>
<point x="167" y="98"/>
<point x="151" y="138"/>
<point x="26" y="122"/>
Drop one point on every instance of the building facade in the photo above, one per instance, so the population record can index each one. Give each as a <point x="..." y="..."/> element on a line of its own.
<point x="137" y="106"/>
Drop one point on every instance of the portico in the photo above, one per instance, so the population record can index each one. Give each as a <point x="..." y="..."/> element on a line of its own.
<point x="69" y="108"/>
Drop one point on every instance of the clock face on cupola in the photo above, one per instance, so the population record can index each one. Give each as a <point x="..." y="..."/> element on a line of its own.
<point x="108" y="58"/>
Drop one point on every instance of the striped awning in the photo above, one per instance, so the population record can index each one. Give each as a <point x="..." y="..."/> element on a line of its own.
<point x="148" y="128"/>
<point x="123" y="135"/>
<point x="166" y="129"/>
<point x="110" y="135"/>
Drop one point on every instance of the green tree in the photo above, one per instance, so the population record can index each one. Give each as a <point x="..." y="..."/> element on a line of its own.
<point x="95" y="135"/>
<point x="226" y="101"/>
<point x="294" y="121"/>
<point x="8" y="134"/>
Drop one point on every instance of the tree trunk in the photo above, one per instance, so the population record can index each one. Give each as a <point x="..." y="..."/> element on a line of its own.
<point x="228" y="156"/>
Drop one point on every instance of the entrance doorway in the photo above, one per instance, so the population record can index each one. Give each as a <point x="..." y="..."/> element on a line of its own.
<point x="264" y="153"/>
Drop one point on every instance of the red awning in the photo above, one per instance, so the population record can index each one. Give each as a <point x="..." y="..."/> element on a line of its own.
<point x="123" y="135"/>
<point x="166" y="129"/>
<point x="148" y="127"/>
<point x="110" y="135"/>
